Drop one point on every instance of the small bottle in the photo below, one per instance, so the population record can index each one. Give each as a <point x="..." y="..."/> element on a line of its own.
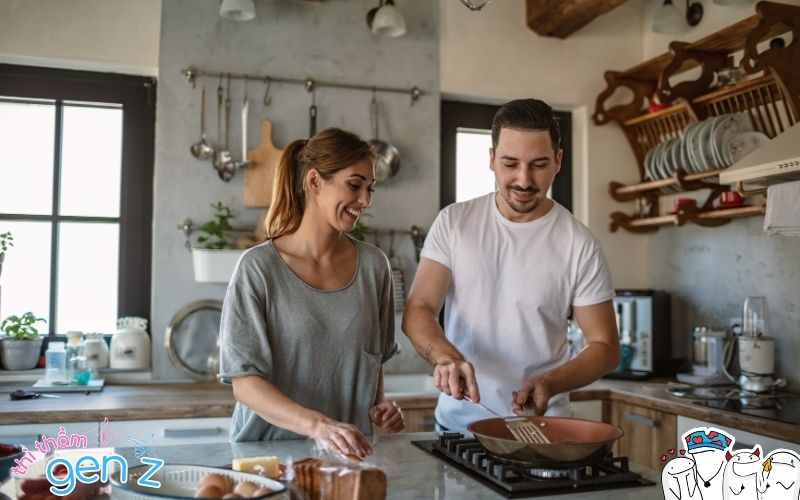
<point x="55" y="363"/>
<point x="74" y="350"/>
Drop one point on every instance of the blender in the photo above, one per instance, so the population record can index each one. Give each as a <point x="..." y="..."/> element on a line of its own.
<point x="756" y="348"/>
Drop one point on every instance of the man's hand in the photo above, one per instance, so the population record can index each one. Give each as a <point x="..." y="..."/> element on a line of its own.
<point x="456" y="378"/>
<point x="341" y="438"/>
<point x="387" y="416"/>
<point x="535" y="390"/>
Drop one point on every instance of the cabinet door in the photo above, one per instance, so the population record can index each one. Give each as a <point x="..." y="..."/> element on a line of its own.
<point x="122" y="433"/>
<point x="27" y="434"/>
<point x="588" y="410"/>
<point x="419" y="420"/>
<point x="648" y="433"/>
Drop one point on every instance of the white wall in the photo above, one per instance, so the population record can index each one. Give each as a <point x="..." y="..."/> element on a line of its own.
<point x="493" y="54"/>
<point x="119" y="36"/>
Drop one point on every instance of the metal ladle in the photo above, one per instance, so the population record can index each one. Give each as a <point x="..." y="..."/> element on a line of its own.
<point x="201" y="149"/>
<point x="223" y="160"/>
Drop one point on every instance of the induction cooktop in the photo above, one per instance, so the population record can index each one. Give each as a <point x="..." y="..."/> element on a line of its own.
<point x="783" y="408"/>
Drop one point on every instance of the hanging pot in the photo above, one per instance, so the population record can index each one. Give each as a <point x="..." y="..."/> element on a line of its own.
<point x="387" y="158"/>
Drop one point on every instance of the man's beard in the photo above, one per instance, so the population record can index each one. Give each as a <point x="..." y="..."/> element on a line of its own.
<point x="520" y="208"/>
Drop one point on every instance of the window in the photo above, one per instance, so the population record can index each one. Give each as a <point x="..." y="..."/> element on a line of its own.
<point x="466" y="139"/>
<point x="76" y="190"/>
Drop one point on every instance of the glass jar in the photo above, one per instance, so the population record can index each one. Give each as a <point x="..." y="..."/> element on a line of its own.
<point x="95" y="350"/>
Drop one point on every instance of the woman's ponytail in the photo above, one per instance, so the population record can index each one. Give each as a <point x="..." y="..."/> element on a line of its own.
<point x="288" y="197"/>
<point x="327" y="152"/>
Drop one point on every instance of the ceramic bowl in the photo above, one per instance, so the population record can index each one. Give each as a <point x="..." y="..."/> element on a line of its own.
<point x="8" y="461"/>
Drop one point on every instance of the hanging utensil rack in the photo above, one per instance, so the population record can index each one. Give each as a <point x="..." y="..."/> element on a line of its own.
<point x="191" y="73"/>
<point x="187" y="227"/>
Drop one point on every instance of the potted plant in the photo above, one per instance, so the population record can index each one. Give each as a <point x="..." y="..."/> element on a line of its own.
<point x="6" y="242"/>
<point x="21" y="344"/>
<point x="359" y="232"/>
<point x="214" y="256"/>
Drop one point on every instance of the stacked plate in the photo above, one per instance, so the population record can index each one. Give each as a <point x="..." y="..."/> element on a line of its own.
<point x="716" y="142"/>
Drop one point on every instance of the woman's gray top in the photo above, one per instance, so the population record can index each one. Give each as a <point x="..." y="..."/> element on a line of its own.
<point x="322" y="348"/>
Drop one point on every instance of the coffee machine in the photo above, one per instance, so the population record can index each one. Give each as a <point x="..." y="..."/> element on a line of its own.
<point x="645" y="331"/>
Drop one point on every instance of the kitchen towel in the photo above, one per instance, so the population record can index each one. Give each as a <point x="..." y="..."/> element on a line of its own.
<point x="783" y="209"/>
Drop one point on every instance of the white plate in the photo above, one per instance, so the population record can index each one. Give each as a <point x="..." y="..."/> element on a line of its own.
<point x="675" y="155"/>
<point x="691" y="162"/>
<point x="648" y="165"/>
<point x="655" y="162"/>
<point x="744" y="143"/>
<point x="180" y="481"/>
<point x="713" y="144"/>
<point x="704" y="145"/>
<point x="662" y="160"/>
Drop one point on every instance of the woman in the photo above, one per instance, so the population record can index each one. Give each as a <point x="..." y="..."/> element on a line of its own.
<point x="308" y="317"/>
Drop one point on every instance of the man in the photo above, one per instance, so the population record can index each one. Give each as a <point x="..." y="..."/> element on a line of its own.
<point x="512" y="264"/>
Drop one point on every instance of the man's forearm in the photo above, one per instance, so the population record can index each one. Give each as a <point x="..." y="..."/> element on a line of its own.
<point x="594" y="361"/>
<point x="427" y="337"/>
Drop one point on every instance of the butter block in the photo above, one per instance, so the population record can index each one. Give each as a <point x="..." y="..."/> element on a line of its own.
<point x="255" y="465"/>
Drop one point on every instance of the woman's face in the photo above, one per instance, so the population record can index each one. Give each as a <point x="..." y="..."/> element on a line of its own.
<point x="345" y="195"/>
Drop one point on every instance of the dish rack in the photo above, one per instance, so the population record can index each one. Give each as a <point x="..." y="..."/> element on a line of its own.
<point x="769" y="96"/>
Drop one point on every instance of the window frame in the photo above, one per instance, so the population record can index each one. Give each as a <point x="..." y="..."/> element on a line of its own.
<point x="459" y="114"/>
<point x="137" y="95"/>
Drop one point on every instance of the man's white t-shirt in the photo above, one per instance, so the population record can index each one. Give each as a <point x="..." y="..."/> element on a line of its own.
<point x="513" y="284"/>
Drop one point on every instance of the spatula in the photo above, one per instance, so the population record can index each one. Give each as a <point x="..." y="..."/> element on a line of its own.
<point x="521" y="428"/>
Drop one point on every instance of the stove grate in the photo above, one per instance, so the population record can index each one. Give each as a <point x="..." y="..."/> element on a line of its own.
<point x="515" y="480"/>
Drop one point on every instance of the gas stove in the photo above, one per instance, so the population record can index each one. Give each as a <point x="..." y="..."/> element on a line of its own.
<point x="515" y="480"/>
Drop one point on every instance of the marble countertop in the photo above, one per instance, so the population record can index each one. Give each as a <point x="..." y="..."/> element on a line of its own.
<point x="411" y="472"/>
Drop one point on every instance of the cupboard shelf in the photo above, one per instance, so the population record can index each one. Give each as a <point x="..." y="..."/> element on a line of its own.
<point x="708" y="218"/>
<point x="769" y="97"/>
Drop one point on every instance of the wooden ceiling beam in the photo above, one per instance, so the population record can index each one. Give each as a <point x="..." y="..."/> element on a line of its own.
<point x="561" y="18"/>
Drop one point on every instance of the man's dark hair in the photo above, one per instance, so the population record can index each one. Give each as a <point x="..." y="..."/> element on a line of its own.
<point x="527" y="114"/>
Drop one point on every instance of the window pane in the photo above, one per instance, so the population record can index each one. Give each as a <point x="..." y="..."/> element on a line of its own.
<point x="27" y="133"/>
<point x="91" y="160"/>
<point x="87" y="277"/>
<point x="25" y="277"/>
<point x="473" y="176"/>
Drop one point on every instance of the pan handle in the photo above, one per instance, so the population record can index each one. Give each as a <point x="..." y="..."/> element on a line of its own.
<point x="312" y="115"/>
<point x="638" y="419"/>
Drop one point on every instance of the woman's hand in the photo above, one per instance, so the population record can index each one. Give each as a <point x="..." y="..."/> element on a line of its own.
<point x="388" y="416"/>
<point x="340" y="438"/>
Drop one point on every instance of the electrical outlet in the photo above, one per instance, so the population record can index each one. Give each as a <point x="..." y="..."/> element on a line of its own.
<point x="735" y="325"/>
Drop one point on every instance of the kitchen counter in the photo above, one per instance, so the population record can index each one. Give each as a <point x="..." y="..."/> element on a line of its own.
<point x="654" y="395"/>
<point x="411" y="472"/>
<point x="194" y="400"/>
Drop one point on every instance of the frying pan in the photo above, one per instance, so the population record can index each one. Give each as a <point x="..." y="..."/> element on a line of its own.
<point x="573" y="441"/>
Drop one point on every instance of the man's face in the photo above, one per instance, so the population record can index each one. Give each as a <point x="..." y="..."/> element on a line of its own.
<point x="524" y="166"/>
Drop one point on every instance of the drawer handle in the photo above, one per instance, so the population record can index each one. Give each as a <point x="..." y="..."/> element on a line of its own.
<point x="638" y="419"/>
<point x="428" y="422"/>
<point x="185" y="433"/>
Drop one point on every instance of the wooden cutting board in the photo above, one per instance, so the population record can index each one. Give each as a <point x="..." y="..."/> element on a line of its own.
<point x="258" y="177"/>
